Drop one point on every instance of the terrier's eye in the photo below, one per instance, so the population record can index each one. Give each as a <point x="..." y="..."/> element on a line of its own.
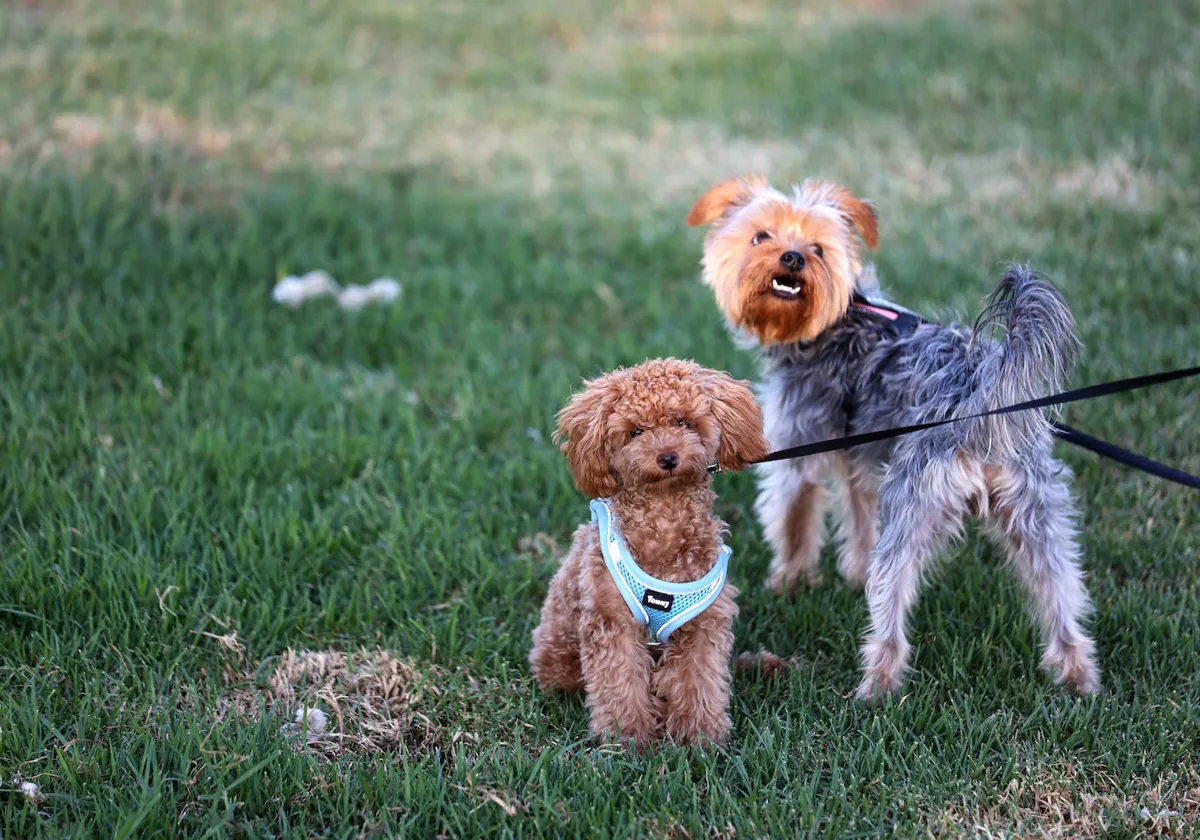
<point x="760" y="237"/>
<point x="683" y="421"/>
<point x="818" y="250"/>
<point x="635" y="433"/>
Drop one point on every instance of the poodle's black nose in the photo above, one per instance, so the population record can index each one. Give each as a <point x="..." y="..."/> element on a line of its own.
<point x="668" y="461"/>
<point x="792" y="260"/>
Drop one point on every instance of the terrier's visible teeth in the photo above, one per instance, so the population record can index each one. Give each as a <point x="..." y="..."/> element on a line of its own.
<point x="787" y="290"/>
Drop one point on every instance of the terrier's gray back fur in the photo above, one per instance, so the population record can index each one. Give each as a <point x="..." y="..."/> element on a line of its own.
<point x="861" y="376"/>
<point x="864" y="375"/>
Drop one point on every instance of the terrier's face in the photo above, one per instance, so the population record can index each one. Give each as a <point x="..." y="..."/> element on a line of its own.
<point x="783" y="267"/>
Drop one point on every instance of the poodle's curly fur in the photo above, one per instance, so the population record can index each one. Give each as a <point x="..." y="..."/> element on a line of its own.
<point x="619" y="436"/>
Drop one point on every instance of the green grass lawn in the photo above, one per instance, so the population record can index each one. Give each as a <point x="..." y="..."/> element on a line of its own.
<point x="195" y="480"/>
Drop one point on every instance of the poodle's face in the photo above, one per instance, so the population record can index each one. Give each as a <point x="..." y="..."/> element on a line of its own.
<point x="661" y="438"/>
<point x="657" y="426"/>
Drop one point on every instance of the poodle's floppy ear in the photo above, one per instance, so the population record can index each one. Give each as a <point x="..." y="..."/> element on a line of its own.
<point x="741" y="422"/>
<point x="723" y="197"/>
<point x="581" y="433"/>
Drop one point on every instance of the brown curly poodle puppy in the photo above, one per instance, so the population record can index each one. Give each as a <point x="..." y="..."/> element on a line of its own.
<point x="642" y="439"/>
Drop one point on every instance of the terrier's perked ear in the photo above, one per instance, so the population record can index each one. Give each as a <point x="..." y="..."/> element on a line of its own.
<point x="859" y="213"/>
<point x="726" y="196"/>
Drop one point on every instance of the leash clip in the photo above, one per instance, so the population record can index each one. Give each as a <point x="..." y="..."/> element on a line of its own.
<point x="655" y="648"/>
<point x="713" y="469"/>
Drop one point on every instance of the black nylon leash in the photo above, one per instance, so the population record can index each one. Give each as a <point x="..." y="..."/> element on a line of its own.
<point x="1124" y="456"/>
<point x="1096" y="445"/>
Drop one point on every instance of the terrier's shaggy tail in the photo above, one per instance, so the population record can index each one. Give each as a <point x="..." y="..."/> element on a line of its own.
<point x="1034" y="357"/>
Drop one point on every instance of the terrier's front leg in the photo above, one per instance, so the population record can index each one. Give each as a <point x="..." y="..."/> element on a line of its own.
<point x="857" y="522"/>
<point x="791" y="507"/>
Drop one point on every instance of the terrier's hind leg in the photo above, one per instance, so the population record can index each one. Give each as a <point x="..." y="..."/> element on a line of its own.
<point x="919" y="510"/>
<point x="1033" y="517"/>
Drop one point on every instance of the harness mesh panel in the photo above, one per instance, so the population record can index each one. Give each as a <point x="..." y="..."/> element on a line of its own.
<point x="658" y="618"/>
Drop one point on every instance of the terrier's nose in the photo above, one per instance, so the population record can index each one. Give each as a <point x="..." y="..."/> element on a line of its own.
<point x="668" y="461"/>
<point x="792" y="260"/>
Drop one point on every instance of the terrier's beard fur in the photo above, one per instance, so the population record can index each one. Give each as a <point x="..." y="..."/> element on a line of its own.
<point x="783" y="268"/>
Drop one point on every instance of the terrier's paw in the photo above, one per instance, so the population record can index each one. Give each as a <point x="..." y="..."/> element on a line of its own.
<point x="1084" y="684"/>
<point x="784" y="585"/>
<point x="853" y="571"/>
<point x="1079" y="675"/>
<point x="1075" y="668"/>
<point x="874" y="687"/>
<point x="854" y="581"/>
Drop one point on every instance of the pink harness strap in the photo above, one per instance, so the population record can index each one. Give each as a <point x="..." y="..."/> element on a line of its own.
<point x="891" y="316"/>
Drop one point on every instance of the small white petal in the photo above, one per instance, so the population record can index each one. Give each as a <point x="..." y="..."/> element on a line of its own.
<point x="316" y="721"/>
<point x="385" y="288"/>
<point x="354" y="297"/>
<point x="295" y="290"/>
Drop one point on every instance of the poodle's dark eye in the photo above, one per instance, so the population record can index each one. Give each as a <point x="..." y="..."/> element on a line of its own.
<point x="635" y="432"/>
<point x="683" y="421"/>
<point x="818" y="250"/>
<point x="760" y="237"/>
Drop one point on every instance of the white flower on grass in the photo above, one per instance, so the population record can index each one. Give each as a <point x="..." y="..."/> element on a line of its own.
<point x="293" y="291"/>
<point x="29" y="790"/>
<point x="1163" y="816"/>
<point x="381" y="290"/>
<point x="309" y="721"/>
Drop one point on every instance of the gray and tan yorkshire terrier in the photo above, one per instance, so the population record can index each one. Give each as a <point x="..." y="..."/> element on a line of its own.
<point x="787" y="272"/>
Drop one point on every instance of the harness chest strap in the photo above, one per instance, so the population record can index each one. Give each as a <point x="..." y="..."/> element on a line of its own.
<point x="658" y="605"/>
<point x="903" y="321"/>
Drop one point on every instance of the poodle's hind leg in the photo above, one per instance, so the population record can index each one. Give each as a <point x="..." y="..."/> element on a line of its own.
<point x="555" y="656"/>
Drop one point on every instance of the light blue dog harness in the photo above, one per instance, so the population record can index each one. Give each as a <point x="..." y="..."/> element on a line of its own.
<point x="660" y="606"/>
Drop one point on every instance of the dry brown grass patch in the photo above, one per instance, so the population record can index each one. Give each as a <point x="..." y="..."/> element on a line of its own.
<point x="762" y="665"/>
<point x="1068" y="801"/>
<point x="540" y="545"/>
<point x="371" y="701"/>
<point x="143" y="123"/>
